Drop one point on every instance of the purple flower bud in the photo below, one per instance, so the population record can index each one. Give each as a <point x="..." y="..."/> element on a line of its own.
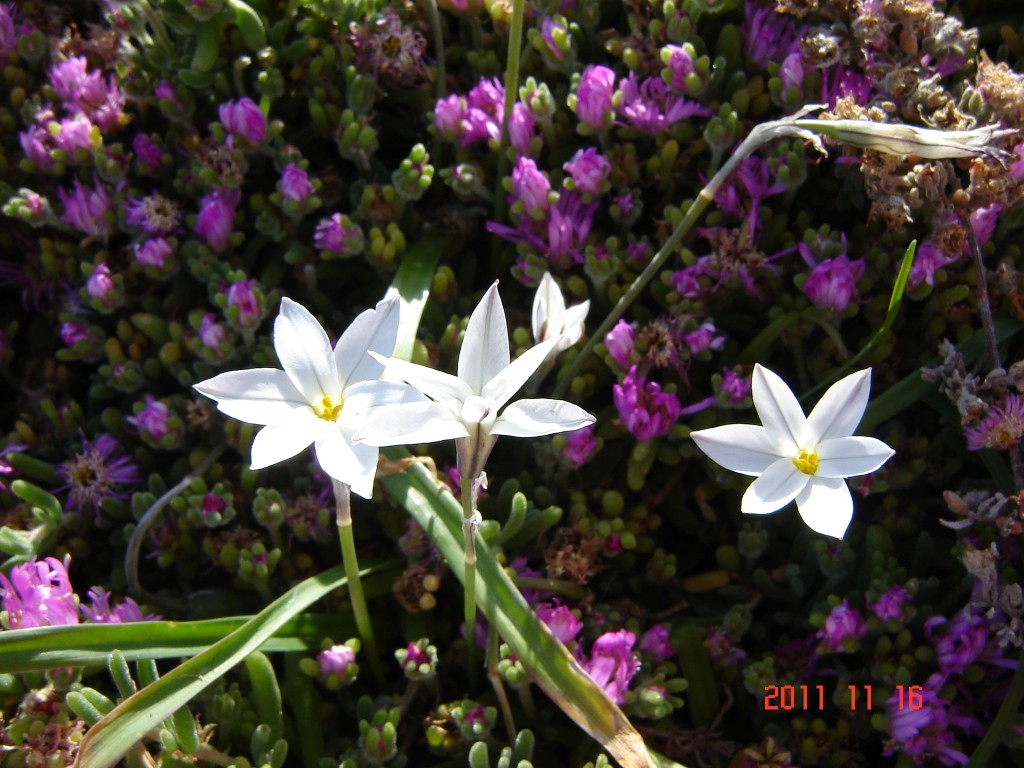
<point x="87" y="210"/>
<point x="704" y="338"/>
<point x="38" y="594"/>
<point x="531" y="187"/>
<point x="655" y="643"/>
<point x="983" y="222"/>
<point x="339" y="235"/>
<point x="680" y="63"/>
<point x="890" y="604"/>
<point x="620" y="342"/>
<point x="242" y="297"/>
<point x="155" y="252"/>
<point x="244" y="118"/>
<point x="35" y="142"/>
<point x="147" y="151"/>
<point x="294" y="184"/>
<point x="791" y="73"/>
<point x="643" y="408"/>
<point x="588" y="169"/>
<point x="71" y="333"/>
<point x="153" y="420"/>
<point x="734" y="386"/>
<point x="580" y="445"/>
<point x="521" y="128"/>
<point x="101" y="286"/>
<point x="336" y="660"/>
<point x="448" y="116"/>
<point x="843" y="623"/>
<point x="211" y="333"/>
<point x="164" y="91"/>
<point x="832" y="284"/>
<point x="100" y="612"/>
<point x="216" y="219"/>
<point x="927" y="261"/>
<point x="594" y="97"/>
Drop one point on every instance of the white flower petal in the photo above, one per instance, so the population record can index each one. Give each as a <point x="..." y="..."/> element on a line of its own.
<point x="340" y="460"/>
<point x="374" y="330"/>
<point x="281" y="441"/>
<point x="778" y="485"/>
<point x="533" y="418"/>
<point x="485" y="347"/>
<point x="826" y="506"/>
<point x="743" y="448"/>
<point x="851" y="456"/>
<point x="780" y="412"/>
<point x="573" y="322"/>
<point x="548" y="307"/>
<point x="511" y="379"/>
<point x="305" y="353"/>
<point x="436" y="385"/>
<point x="841" y="408"/>
<point x="425" y="422"/>
<point x="256" y="396"/>
<point x="369" y="394"/>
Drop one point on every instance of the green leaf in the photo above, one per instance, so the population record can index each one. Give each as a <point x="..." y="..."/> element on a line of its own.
<point x="554" y="669"/>
<point x="412" y="285"/>
<point x="85" y="645"/>
<point x="110" y="739"/>
<point x="47" y="507"/>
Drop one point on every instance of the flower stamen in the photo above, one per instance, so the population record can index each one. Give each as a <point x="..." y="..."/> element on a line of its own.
<point x="806" y="461"/>
<point x="328" y="410"/>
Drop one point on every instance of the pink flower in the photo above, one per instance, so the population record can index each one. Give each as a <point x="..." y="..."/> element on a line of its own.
<point x="588" y="170"/>
<point x="580" y="445"/>
<point x="35" y="143"/>
<point x="87" y="210"/>
<point x="621" y="343"/>
<point x="157" y="423"/>
<point x="336" y="660"/>
<point x="242" y="297"/>
<point x="38" y="594"/>
<point x="244" y="118"/>
<point x="338" y="235"/>
<point x="295" y="185"/>
<point x="927" y="261"/>
<point x="734" y="386"/>
<point x="680" y="64"/>
<point x="211" y="333"/>
<point x="155" y="252"/>
<point x="656" y="644"/>
<point x="594" y="97"/>
<point x="216" y="219"/>
<point x="74" y="133"/>
<point x="448" y="116"/>
<point x="8" y="33"/>
<point x="521" y="128"/>
<point x="530" y="187"/>
<point x="612" y="664"/>
<point x="561" y="621"/>
<point x="152" y="215"/>
<point x="922" y="730"/>
<point x="1000" y="429"/>
<point x="100" y="612"/>
<point x="890" y="604"/>
<point x="147" y="151"/>
<point x="644" y="409"/>
<point x="983" y="222"/>
<point x="832" y="284"/>
<point x="769" y="35"/>
<point x="842" y="624"/>
<point x="649" y="108"/>
<point x="704" y="338"/>
<point x="101" y="286"/>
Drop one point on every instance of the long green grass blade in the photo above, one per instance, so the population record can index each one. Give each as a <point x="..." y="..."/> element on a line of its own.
<point x="110" y="739"/>
<point x="553" y="667"/>
<point x="87" y="645"/>
<point x="412" y="284"/>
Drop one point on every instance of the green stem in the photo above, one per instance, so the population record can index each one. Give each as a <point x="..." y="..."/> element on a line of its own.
<point x="515" y="44"/>
<point x="469" y="582"/>
<point x="343" y="503"/>
<point x="1004" y="719"/>
<point x="494" y="675"/>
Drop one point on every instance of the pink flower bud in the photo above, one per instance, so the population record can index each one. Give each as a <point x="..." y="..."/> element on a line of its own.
<point x="294" y="184"/>
<point x="244" y="118"/>
<point x="216" y="219"/>
<point x="594" y="97"/>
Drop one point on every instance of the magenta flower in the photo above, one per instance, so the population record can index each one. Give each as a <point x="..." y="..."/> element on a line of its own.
<point x="648" y="107"/>
<point x="339" y="236"/>
<point x="294" y="184"/>
<point x="594" y="97"/>
<point x="612" y="664"/>
<point x="338" y="662"/>
<point x="8" y="33"/>
<point x="705" y="337"/>
<point x="621" y="343"/>
<point x="157" y="424"/>
<point x="74" y="83"/>
<point x="531" y="188"/>
<point x="521" y="128"/>
<point x="100" y="612"/>
<point x="644" y="409"/>
<point x="244" y="118"/>
<point x="216" y="219"/>
<point x="35" y="143"/>
<point x="656" y="644"/>
<point x="1000" y="429"/>
<point x="147" y="151"/>
<point x="485" y="108"/>
<point x="843" y="626"/>
<point x="448" y="116"/>
<point x="890" y="604"/>
<point x="924" y="731"/>
<point x="588" y="170"/>
<point x="100" y="471"/>
<point x="680" y="64"/>
<point x="242" y="297"/>
<point x="983" y="222"/>
<point x="73" y="134"/>
<point x="581" y="445"/>
<point x="734" y="386"/>
<point x="561" y="621"/>
<point x="101" y="287"/>
<point x="769" y="36"/>
<point x="88" y="210"/>
<point x="155" y="252"/>
<point x="38" y="594"/>
<point x="965" y="639"/>
<point x="927" y="261"/>
<point x="568" y="227"/>
<point x="211" y="333"/>
<point x="152" y="215"/>
<point x="832" y="284"/>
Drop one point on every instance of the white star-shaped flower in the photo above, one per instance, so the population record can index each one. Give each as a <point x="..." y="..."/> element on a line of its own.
<point x="551" y="319"/>
<point x="798" y="457"/>
<point x="322" y="395"/>
<point x="468" y="407"/>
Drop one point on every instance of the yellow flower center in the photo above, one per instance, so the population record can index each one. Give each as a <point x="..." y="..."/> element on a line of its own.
<point x="806" y="461"/>
<point x="328" y="410"/>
